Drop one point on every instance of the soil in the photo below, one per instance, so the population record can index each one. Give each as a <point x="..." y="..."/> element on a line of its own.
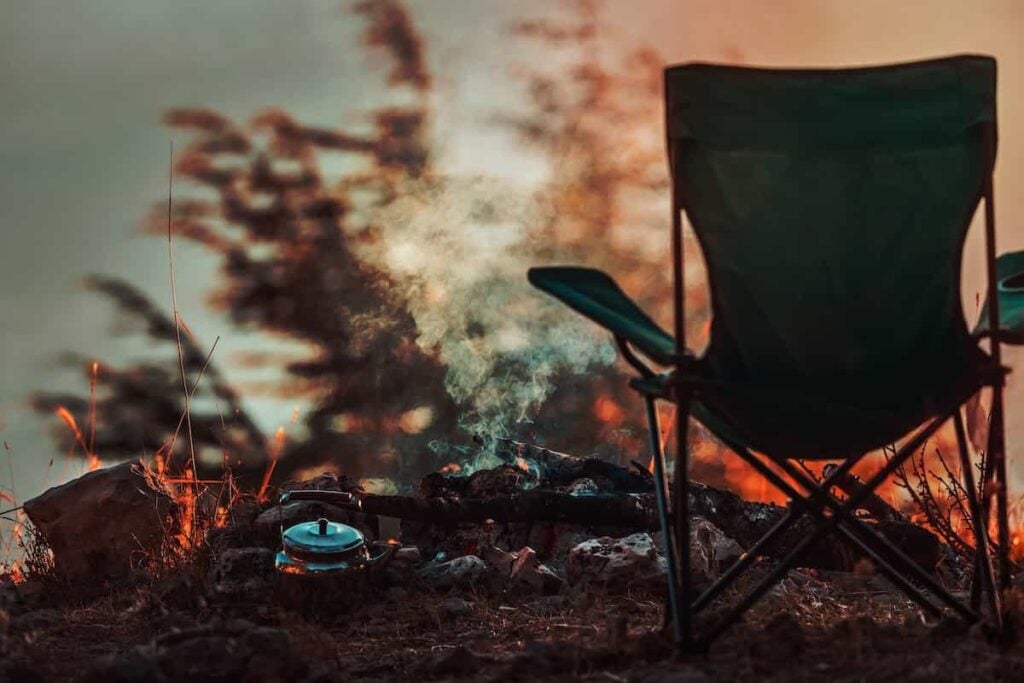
<point x="844" y="627"/>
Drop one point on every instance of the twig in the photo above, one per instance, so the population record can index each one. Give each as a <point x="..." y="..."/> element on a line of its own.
<point x="177" y="319"/>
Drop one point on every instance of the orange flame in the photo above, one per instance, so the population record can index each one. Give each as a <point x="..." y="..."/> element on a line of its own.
<point x="608" y="411"/>
<point x="187" y="506"/>
<point x="69" y="419"/>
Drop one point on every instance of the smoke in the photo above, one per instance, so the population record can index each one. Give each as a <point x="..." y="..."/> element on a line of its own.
<point x="460" y="249"/>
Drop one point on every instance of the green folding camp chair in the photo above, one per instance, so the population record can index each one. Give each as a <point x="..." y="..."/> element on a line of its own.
<point x="832" y="208"/>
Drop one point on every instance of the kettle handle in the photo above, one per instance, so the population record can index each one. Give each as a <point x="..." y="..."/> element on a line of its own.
<point x="339" y="498"/>
<point x="384" y="556"/>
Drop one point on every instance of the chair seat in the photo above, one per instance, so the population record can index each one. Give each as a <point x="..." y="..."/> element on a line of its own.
<point x="779" y="422"/>
<point x="787" y="424"/>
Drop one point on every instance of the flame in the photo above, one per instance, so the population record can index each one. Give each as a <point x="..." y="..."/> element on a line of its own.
<point x="608" y="411"/>
<point x="451" y="468"/>
<point x="220" y="520"/>
<point x="187" y="507"/>
<point x="69" y="419"/>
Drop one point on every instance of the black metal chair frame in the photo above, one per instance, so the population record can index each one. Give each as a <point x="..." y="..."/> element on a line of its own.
<point x="814" y="499"/>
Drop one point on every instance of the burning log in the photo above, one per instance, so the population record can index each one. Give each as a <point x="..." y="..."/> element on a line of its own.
<point x="741" y="520"/>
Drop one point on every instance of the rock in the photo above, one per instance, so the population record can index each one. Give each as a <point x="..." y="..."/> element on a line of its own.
<point x="106" y="522"/>
<point x="583" y="487"/>
<point x="711" y="548"/>
<point x="243" y="571"/>
<point x="408" y="554"/>
<point x="454" y="608"/>
<point x="527" y="569"/>
<point x="627" y="561"/>
<point x="498" y="558"/>
<point x="461" y="571"/>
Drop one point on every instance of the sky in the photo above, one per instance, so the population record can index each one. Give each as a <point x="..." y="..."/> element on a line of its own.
<point x="83" y="155"/>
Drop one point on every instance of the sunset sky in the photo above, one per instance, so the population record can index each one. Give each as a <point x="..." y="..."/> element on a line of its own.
<point x="82" y="153"/>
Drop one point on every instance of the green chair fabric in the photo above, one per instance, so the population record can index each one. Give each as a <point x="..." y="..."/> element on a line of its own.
<point x="831" y="207"/>
<point x="598" y="297"/>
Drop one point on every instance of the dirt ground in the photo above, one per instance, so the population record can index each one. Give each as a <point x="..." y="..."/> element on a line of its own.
<point x="839" y="627"/>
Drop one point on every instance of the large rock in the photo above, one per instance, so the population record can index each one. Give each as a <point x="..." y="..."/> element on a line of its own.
<point x="460" y="572"/>
<point x="639" y="558"/>
<point x="627" y="561"/>
<point x="105" y="523"/>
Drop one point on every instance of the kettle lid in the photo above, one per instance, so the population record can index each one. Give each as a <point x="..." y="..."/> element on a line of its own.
<point x="322" y="536"/>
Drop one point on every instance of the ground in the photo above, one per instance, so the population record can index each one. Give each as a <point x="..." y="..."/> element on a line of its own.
<point x="812" y="627"/>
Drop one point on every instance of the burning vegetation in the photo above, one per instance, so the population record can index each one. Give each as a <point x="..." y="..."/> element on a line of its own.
<point x="450" y="424"/>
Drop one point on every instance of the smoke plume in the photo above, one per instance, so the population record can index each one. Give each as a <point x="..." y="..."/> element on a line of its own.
<point x="459" y="249"/>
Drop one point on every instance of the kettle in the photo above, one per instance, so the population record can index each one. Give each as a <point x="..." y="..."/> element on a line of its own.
<point x="322" y="547"/>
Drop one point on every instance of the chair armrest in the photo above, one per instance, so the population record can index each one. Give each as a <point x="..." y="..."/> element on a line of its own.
<point x="1010" y="290"/>
<point x="595" y="295"/>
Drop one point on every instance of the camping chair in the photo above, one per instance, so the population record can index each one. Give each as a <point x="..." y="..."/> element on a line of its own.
<point x="831" y="207"/>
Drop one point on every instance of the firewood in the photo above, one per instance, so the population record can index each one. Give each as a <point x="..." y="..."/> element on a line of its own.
<point x="741" y="520"/>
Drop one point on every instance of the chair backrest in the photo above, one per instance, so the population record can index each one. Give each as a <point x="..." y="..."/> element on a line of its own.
<point x="832" y="208"/>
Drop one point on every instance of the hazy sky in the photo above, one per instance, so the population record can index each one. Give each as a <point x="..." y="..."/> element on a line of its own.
<point x="82" y="154"/>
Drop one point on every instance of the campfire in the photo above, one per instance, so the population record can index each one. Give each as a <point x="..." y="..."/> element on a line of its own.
<point x="550" y="537"/>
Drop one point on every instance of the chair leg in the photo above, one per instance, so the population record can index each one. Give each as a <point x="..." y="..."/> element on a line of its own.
<point x="997" y="458"/>
<point x="675" y="606"/>
<point x="682" y="512"/>
<point x="984" y="578"/>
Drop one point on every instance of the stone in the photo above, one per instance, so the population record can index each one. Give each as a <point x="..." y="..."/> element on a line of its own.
<point x="498" y="558"/>
<point x="711" y="549"/>
<point x="460" y="572"/>
<point x="243" y="571"/>
<point x="454" y="608"/>
<point x="584" y="487"/>
<point x="408" y="554"/>
<point x="528" y="570"/>
<point x="106" y="522"/>
<point x="627" y="561"/>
